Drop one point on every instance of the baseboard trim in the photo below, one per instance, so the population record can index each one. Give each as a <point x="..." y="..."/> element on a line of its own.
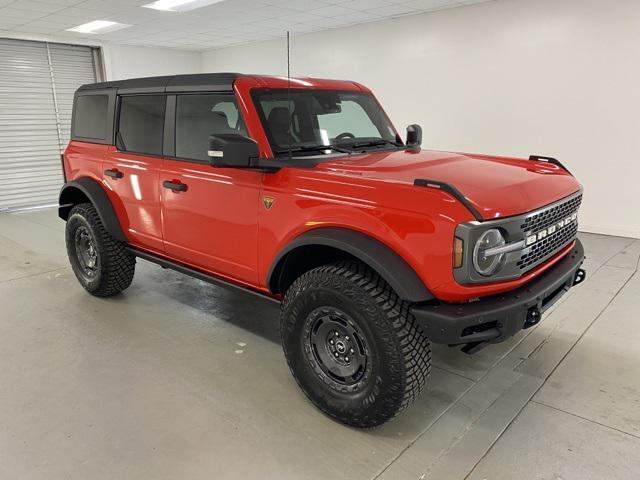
<point x="611" y="230"/>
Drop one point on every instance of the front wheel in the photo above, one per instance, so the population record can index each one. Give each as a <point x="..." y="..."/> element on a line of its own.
<point x="352" y="345"/>
<point x="102" y="265"/>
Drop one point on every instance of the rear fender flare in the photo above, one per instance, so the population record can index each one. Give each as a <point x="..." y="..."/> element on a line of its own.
<point x="91" y="189"/>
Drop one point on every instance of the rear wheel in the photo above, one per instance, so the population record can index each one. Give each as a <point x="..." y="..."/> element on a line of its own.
<point x="102" y="265"/>
<point x="352" y="345"/>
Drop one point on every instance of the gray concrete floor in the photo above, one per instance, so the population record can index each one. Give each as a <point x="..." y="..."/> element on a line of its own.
<point x="177" y="379"/>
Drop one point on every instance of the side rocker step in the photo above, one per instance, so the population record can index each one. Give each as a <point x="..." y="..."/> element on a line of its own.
<point x="199" y="274"/>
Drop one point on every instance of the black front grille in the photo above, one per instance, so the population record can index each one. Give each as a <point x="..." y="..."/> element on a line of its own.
<point x="546" y="247"/>
<point x="552" y="243"/>
<point x="545" y="218"/>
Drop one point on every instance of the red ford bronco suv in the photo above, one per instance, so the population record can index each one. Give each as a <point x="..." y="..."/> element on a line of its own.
<point x="302" y="190"/>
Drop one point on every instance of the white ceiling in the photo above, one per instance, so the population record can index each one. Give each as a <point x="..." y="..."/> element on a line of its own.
<point x="230" y="22"/>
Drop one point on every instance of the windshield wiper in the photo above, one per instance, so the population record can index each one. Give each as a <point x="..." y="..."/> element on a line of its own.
<point x="313" y="148"/>
<point x="374" y="143"/>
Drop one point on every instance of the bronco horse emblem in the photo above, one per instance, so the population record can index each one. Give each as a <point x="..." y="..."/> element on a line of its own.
<point x="268" y="202"/>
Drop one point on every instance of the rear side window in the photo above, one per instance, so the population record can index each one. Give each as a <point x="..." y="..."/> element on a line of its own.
<point x="141" y="124"/>
<point x="90" y="117"/>
<point x="198" y="116"/>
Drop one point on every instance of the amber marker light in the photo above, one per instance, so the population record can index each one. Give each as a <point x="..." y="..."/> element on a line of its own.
<point x="457" y="252"/>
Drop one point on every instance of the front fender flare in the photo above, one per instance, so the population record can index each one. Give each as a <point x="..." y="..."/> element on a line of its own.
<point x="387" y="263"/>
<point x="93" y="191"/>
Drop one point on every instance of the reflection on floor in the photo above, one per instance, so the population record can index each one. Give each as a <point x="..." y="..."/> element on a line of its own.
<point x="153" y="384"/>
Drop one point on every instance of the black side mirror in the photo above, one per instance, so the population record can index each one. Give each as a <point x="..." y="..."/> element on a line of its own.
<point x="414" y="136"/>
<point x="232" y="150"/>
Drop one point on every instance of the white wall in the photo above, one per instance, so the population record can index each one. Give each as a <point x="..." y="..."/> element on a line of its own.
<point x="124" y="61"/>
<point x="511" y="77"/>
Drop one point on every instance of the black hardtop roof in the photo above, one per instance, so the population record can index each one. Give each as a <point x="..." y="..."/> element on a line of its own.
<point x="213" y="82"/>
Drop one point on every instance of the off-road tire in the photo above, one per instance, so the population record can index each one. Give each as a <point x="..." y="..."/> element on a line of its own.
<point x="399" y="353"/>
<point x="114" y="264"/>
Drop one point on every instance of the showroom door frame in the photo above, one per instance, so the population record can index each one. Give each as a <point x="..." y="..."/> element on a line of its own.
<point x="55" y="98"/>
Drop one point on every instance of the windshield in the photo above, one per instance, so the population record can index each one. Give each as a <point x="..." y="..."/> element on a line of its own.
<point x="321" y="121"/>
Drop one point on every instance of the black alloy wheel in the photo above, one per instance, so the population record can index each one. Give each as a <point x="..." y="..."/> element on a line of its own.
<point x="85" y="250"/>
<point x="352" y="345"/>
<point x="337" y="345"/>
<point x="103" y="265"/>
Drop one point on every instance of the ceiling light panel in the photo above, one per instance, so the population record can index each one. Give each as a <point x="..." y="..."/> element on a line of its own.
<point x="98" y="26"/>
<point x="179" y="5"/>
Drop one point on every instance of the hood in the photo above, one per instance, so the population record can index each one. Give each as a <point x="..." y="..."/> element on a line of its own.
<point x="496" y="186"/>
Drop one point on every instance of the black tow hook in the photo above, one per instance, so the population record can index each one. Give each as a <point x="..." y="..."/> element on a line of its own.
<point x="580" y="276"/>
<point x="533" y="318"/>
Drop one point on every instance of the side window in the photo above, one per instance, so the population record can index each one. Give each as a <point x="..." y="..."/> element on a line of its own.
<point x="198" y="116"/>
<point x="141" y="124"/>
<point x="90" y="117"/>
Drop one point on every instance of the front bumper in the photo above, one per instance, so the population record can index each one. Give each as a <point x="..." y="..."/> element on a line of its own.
<point x="495" y="318"/>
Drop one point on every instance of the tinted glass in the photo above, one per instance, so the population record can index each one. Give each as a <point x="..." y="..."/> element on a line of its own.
<point x="198" y="116"/>
<point x="141" y="124"/>
<point x="306" y="119"/>
<point x="90" y="117"/>
<point x="351" y="118"/>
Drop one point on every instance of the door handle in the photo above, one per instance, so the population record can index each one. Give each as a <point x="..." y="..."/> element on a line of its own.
<point x="114" y="173"/>
<point x="176" y="186"/>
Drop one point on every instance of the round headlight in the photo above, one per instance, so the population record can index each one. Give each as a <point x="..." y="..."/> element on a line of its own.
<point x="488" y="264"/>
